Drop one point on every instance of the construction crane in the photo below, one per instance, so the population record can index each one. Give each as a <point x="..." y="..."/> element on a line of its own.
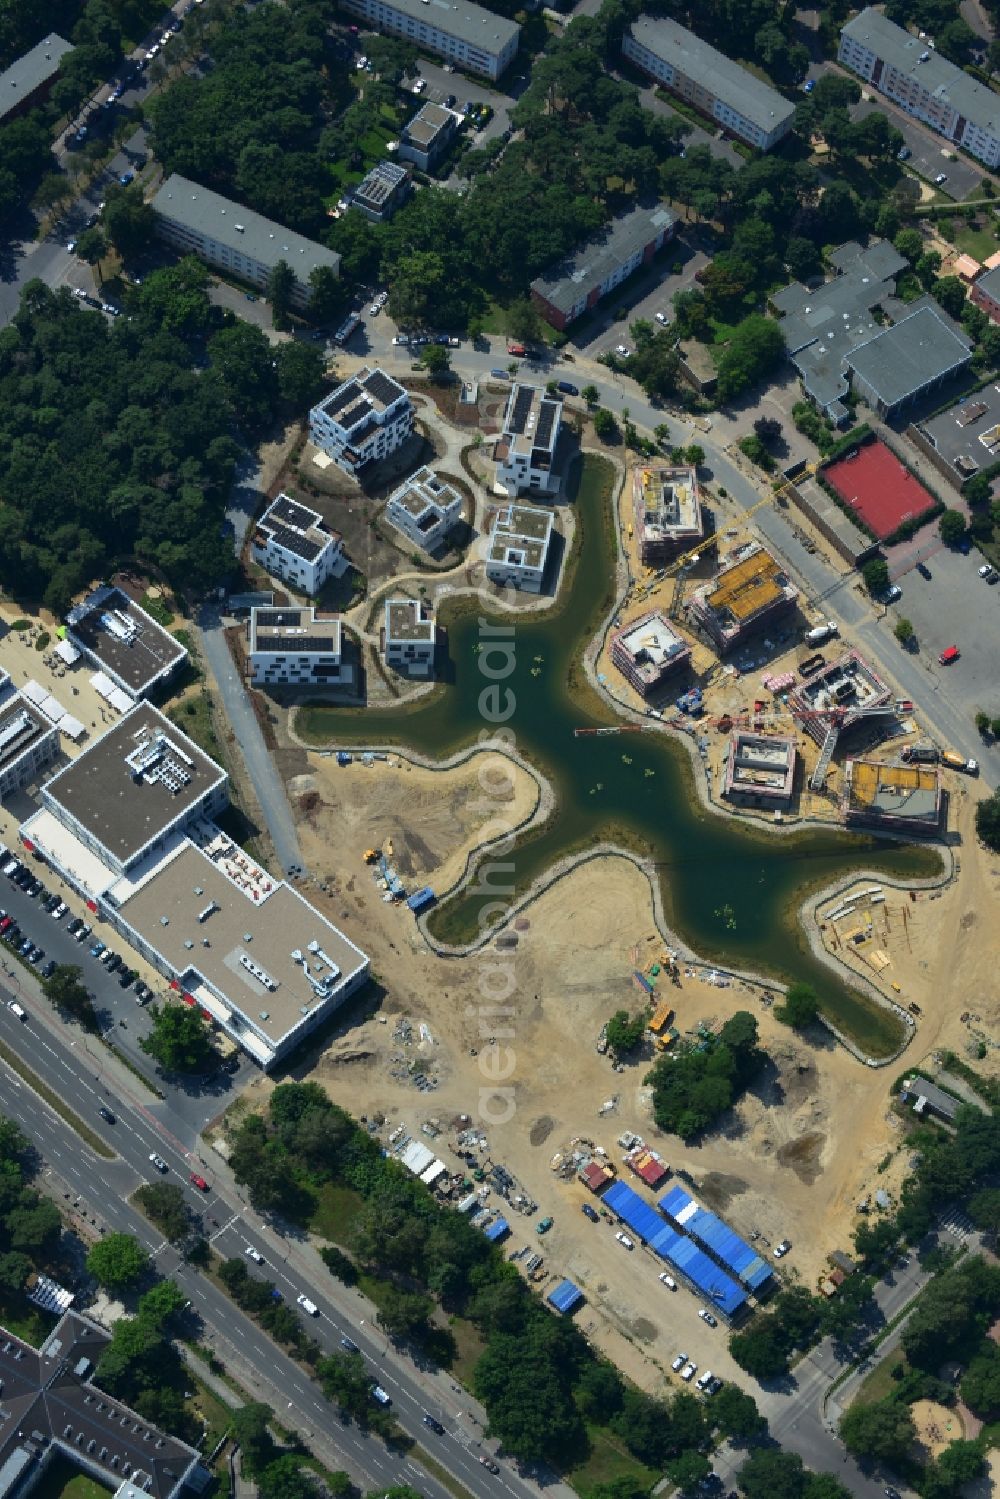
<point x="679" y="566"/>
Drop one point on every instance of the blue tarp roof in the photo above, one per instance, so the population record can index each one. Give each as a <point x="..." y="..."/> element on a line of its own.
<point x="709" y="1231"/>
<point x="633" y="1210"/>
<point x="565" y="1296"/>
<point x="497" y="1229"/>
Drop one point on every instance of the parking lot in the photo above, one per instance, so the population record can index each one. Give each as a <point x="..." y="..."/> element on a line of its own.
<point x="649" y="292"/>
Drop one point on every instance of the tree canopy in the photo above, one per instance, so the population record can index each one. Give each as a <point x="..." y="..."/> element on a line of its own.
<point x="179" y="1040"/>
<point x="117" y="1261"/>
<point x="692" y="1087"/>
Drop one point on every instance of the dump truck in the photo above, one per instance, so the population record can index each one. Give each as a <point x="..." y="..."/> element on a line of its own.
<point x="958" y="762"/>
<point x="661" y="1018"/>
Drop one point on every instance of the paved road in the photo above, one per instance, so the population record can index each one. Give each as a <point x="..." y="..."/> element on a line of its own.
<point x="69" y="1066"/>
<point x="267" y="783"/>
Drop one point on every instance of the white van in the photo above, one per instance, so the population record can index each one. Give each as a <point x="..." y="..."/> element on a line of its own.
<point x="308" y="1306"/>
<point x="704" y="1380"/>
<point x="16" y="1009"/>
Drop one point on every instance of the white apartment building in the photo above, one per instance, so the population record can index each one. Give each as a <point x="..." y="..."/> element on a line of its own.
<point x="364" y="420"/>
<point x="923" y="83"/>
<point x="199" y="222"/>
<point x="424" y="508"/>
<point x="28" y="742"/>
<point x="469" y="37"/>
<point x="519" y="547"/>
<point x="710" y="81"/>
<point x="525" y="449"/>
<point x="294" y="543"/>
<point x="409" y="636"/>
<point x="297" y="647"/>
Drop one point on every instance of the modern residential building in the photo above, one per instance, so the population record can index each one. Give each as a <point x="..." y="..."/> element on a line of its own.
<point x="426" y="138"/>
<point x="985" y="292"/>
<point x="385" y="188"/>
<point x="124" y="642"/>
<point x="710" y="81"/>
<point x="470" y="38"/>
<point x="129" y="824"/>
<point x="578" y="283"/>
<point x="525" y="449"/>
<point x="28" y="80"/>
<point x="908" y="70"/>
<point x="424" y="508"/>
<point x="294" y="543"/>
<point x="409" y="636"/>
<point x="750" y="590"/>
<point x="297" y="647"/>
<point x="648" y="650"/>
<point x="519" y="547"/>
<point x="52" y="1410"/>
<point x="365" y="419"/>
<point x="28" y="742"/>
<point x="904" y="362"/>
<point x="667" y="508"/>
<point x="760" y="770"/>
<point x="904" y="797"/>
<point x="234" y="239"/>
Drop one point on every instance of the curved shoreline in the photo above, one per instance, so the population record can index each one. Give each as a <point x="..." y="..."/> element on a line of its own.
<point x="547" y="802"/>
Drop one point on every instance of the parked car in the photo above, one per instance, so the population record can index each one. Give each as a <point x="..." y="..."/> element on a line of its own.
<point x="809" y="85"/>
<point x="662" y="319"/>
<point x="198" y="1181"/>
<point x="707" y="1317"/>
<point x="82" y="933"/>
<point x="97" y="949"/>
<point x="679" y="1362"/>
<point x="379" y="1394"/>
<point x="688" y="1372"/>
<point x="624" y="1240"/>
<point x="989" y="573"/>
<point x="780" y="1250"/>
<point x="544" y="1226"/>
<point x="668" y="1280"/>
<point x="488" y="1463"/>
<point x="49" y="969"/>
<point x="941" y="177"/>
<point x="349" y="1346"/>
<point x="904" y="153"/>
<point x="949" y="654"/>
<point x="60" y="910"/>
<point x="126" y="978"/>
<point x="588" y="1212"/>
<point x="623" y="351"/>
<point x="567" y="388"/>
<point x="517" y="351"/>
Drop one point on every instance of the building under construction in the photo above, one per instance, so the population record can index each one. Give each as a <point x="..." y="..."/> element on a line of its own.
<point x="760" y="770"/>
<point x="906" y="798"/>
<point x="840" y="694"/>
<point x="667" y="507"/>
<point x="750" y="590"/>
<point x="648" y="650"/>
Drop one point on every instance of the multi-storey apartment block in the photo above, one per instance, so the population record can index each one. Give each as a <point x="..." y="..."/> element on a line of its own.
<point x="525" y="450"/>
<point x="424" y="508"/>
<point x="364" y="420"/>
<point x="292" y="542"/>
<point x="473" y="39"/>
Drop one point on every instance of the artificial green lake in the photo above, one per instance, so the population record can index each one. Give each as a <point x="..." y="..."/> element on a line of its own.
<point x="731" y="891"/>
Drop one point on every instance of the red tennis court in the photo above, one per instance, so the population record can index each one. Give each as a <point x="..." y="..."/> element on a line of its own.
<point x="875" y="485"/>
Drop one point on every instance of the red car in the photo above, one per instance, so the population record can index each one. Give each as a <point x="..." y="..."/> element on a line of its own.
<point x="199" y="1182"/>
<point x="949" y="654"/>
<point x="518" y="350"/>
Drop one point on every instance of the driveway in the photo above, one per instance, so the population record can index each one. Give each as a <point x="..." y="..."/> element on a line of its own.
<point x="647" y="293"/>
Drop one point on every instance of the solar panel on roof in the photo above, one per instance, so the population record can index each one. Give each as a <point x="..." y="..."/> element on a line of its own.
<point x="295" y="644"/>
<point x="522" y="406"/>
<point x="294" y="514"/>
<point x="546" y="418"/>
<point x="340" y="398"/>
<point x="295" y="542"/>
<point x="382" y="387"/>
<point x="274" y="618"/>
<point x="358" y="412"/>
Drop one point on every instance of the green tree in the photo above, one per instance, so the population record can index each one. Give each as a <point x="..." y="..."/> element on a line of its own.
<point x="605" y="426"/>
<point x="117" y="1261"/>
<point x="755" y="349"/>
<point x="981" y="1382"/>
<point x="66" y="990"/>
<point x="301" y="372"/>
<point x="984" y="1209"/>
<point x="129" y="221"/>
<point x="526" y="1383"/>
<point x="161" y="1304"/>
<point x="179" y="1040"/>
<point x="91" y="248"/>
<point x="345" y="1380"/>
<point x="910" y="244"/>
<point x="950" y="292"/>
<point x="164" y="1203"/>
<point x="33" y="1226"/>
<point x="903" y="631"/>
<point x="736" y="1414"/>
<point x="523" y="321"/>
<point x="988" y="821"/>
<point x="770" y="1473"/>
<point x="280" y="290"/>
<point x="761" y="1350"/>
<point x="800" y="1007"/>
<point x="14" y="1271"/>
<point x="327" y="294"/>
<point x="404" y="1314"/>
<point x="591" y="395"/>
<point x="688" y="1471"/>
<point x="952" y="527"/>
<point x="436" y="360"/>
<point x="339" y="1264"/>
<point x="960" y="1463"/>
<point x="250" y="1426"/>
<point x="978" y="490"/>
<point x="286" y="1478"/>
<point x="242" y="358"/>
<point x="625" y="1032"/>
<point x="876" y="574"/>
<point x="883" y="1430"/>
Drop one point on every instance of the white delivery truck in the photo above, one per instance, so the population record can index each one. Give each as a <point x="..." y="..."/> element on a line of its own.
<point x="820" y="633"/>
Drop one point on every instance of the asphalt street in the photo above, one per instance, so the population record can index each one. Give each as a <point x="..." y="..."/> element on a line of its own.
<point x="71" y="1066"/>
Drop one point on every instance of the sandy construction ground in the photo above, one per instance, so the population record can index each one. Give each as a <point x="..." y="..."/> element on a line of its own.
<point x="792" y="1160"/>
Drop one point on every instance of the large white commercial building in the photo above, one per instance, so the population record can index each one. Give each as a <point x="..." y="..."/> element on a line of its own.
<point x="924" y="84"/>
<point x="294" y="543"/>
<point x="197" y="221"/>
<point x="526" y="448"/>
<point x="364" y="420"/>
<point x="424" y="508"/>
<point x="409" y="637"/>
<point x="466" y="35"/>
<point x="519" y="547"/>
<point x="130" y="825"/>
<point x="124" y="642"/>
<point x="715" y="85"/>
<point x="296" y="647"/>
<point x="28" y="742"/>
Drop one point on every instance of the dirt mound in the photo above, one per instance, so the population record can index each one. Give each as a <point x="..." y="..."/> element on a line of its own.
<point x="718" y="1190"/>
<point x="540" y="1130"/>
<point x="804" y="1156"/>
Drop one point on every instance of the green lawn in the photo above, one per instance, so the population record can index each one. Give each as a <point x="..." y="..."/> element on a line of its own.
<point x="195" y="717"/>
<point x="63" y="1480"/>
<point x="468" y="1347"/>
<point x="608" y="1459"/>
<point x="880" y="1382"/>
<point x="213" y="1411"/>
<point x="26" y="1321"/>
<point x="980" y="243"/>
<point x="337" y="1208"/>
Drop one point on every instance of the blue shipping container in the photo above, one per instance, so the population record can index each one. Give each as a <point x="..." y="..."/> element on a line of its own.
<point x="421" y="899"/>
